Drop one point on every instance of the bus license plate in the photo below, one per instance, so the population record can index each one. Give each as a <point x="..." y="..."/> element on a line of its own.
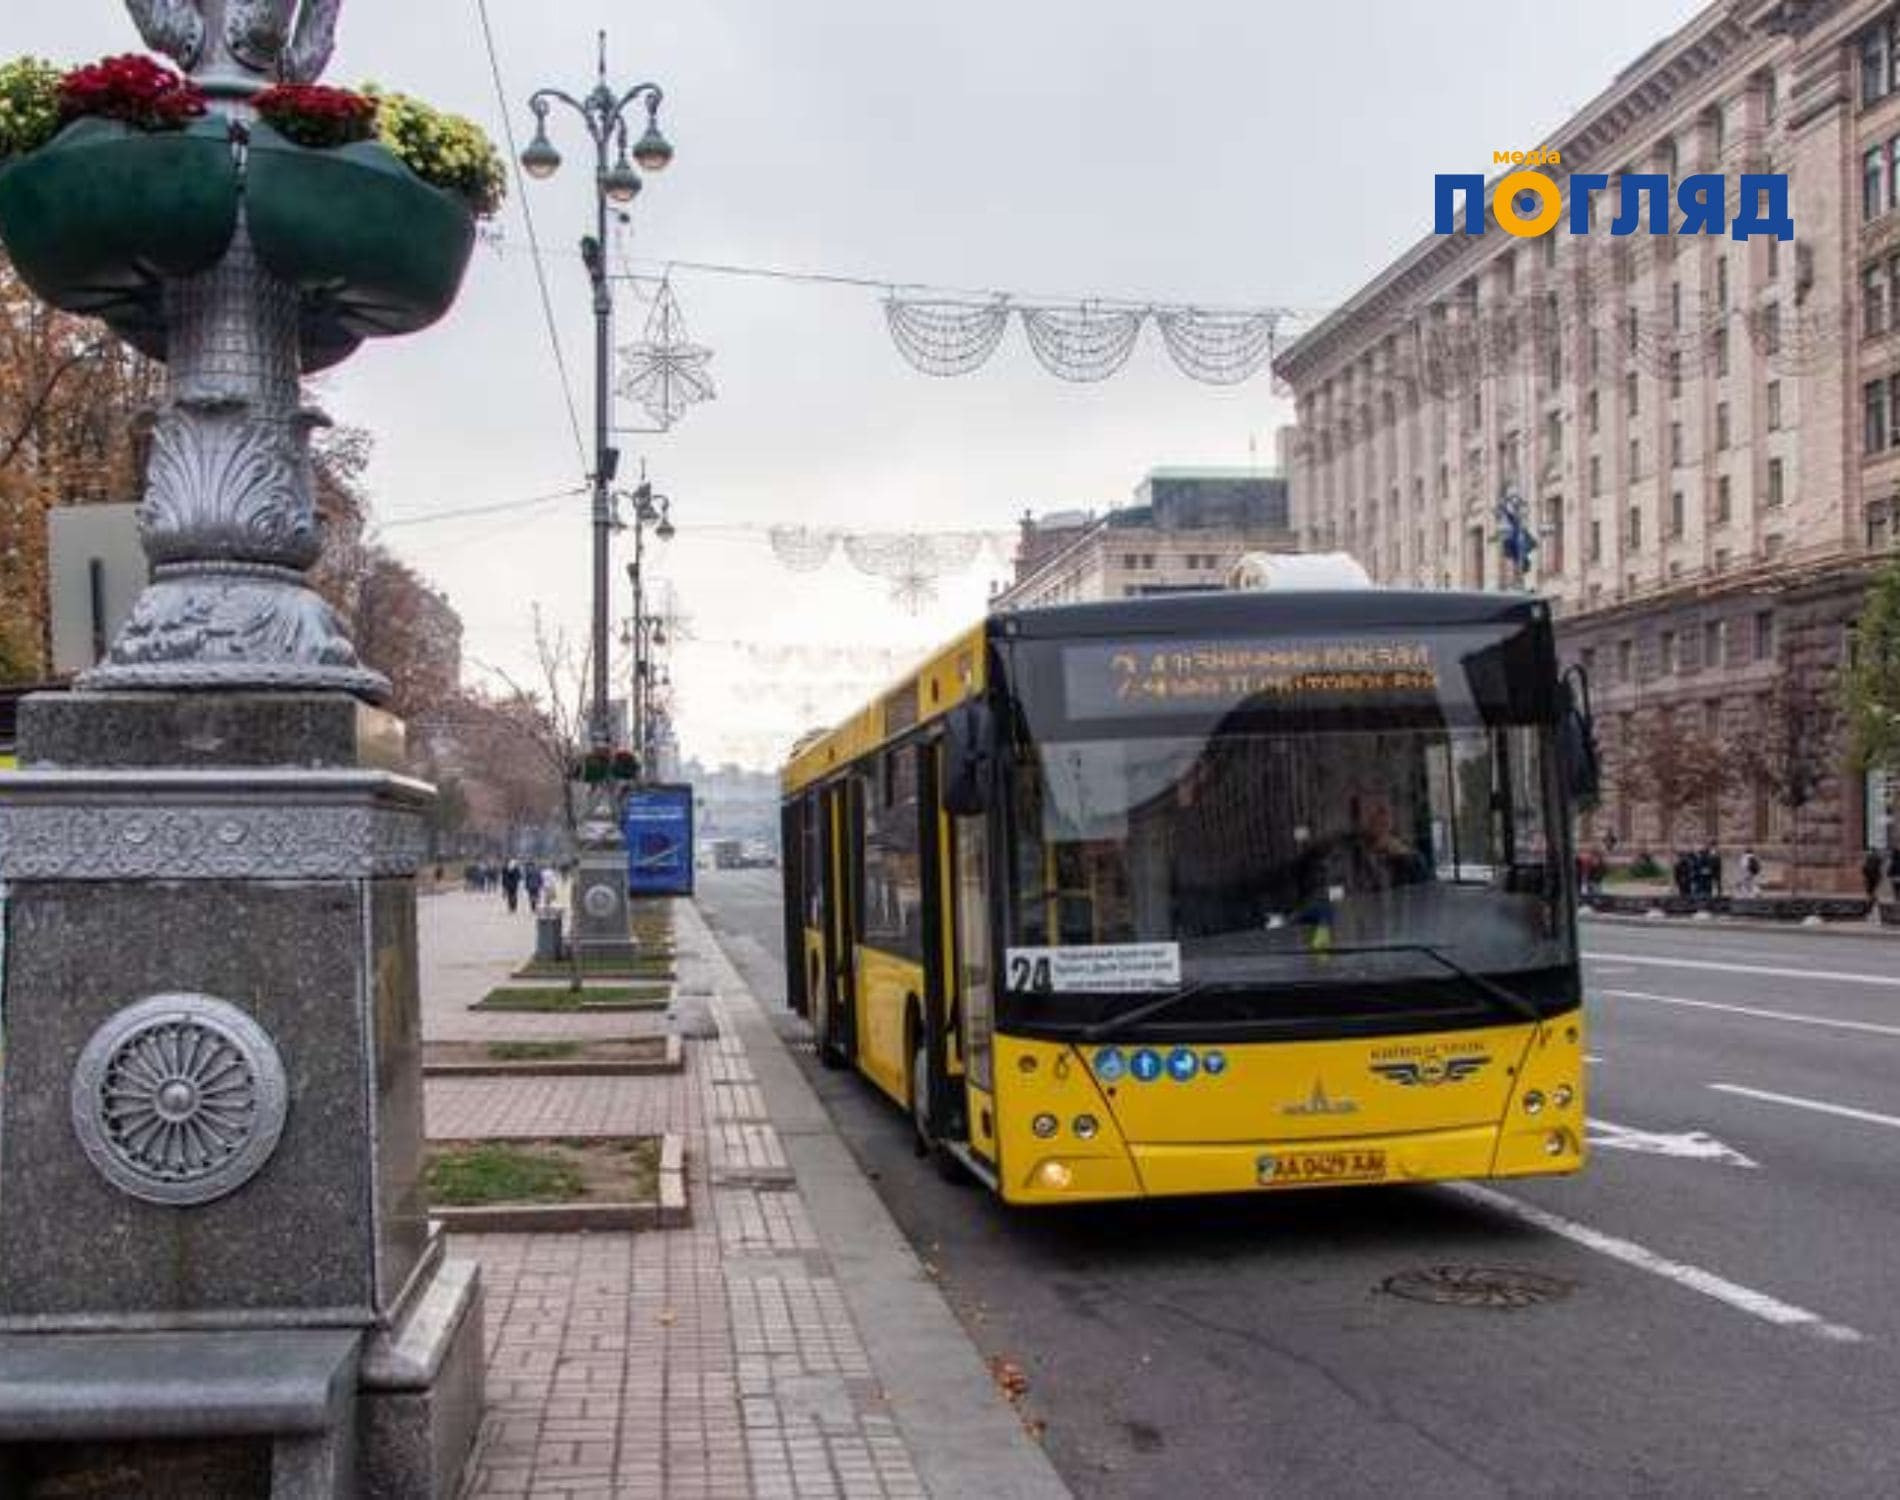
<point x="1289" y="1169"/>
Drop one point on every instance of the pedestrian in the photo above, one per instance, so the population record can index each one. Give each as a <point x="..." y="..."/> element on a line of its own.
<point x="1685" y="872"/>
<point x="1751" y="873"/>
<point x="1871" y="869"/>
<point x="511" y="885"/>
<point x="1715" y="869"/>
<point x="1893" y="874"/>
<point x="550" y="885"/>
<point x="532" y="882"/>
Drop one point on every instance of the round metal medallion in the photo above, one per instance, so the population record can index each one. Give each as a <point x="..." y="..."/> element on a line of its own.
<point x="599" y="901"/>
<point x="179" y="1099"/>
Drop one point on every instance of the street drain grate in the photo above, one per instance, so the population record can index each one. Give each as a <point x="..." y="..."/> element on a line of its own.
<point x="1477" y="1286"/>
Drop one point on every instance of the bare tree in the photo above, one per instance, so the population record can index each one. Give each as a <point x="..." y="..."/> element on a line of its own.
<point x="1673" y="766"/>
<point x="1792" y="747"/>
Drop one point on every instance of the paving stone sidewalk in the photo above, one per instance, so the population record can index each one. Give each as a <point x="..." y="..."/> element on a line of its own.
<point x="719" y="1361"/>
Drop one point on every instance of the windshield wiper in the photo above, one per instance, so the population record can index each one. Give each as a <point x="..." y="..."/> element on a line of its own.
<point x="1101" y="1031"/>
<point x="1509" y="998"/>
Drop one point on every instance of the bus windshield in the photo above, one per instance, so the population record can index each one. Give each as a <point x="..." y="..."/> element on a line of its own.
<point x="1382" y="847"/>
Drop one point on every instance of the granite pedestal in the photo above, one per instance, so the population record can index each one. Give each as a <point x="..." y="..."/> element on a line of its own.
<point x="211" y="1110"/>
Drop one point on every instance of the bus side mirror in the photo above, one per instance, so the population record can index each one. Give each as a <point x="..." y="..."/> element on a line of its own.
<point x="1577" y="755"/>
<point x="969" y="740"/>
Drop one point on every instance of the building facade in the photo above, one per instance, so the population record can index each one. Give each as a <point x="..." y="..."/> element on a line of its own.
<point x="1185" y="530"/>
<point x="1702" y="434"/>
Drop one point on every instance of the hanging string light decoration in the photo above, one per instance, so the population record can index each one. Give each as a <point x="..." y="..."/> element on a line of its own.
<point x="665" y="372"/>
<point x="803" y="549"/>
<point x="946" y="338"/>
<point x="1218" y="348"/>
<point x="1082" y="344"/>
<point x="912" y="561"/>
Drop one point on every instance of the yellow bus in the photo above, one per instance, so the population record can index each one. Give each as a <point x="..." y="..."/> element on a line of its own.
<point x="1208" y="893"/>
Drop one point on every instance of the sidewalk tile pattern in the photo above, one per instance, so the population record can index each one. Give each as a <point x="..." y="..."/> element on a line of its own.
<point x="718" y="1362"/>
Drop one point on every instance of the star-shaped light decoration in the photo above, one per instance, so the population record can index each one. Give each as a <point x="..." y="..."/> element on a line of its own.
<point x="665" y="372"/>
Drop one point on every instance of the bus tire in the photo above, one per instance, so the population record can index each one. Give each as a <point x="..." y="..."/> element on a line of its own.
<point x="922" y="1079"/>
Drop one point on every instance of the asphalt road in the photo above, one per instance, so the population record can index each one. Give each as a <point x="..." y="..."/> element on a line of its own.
<point x="1727" y="1267"/>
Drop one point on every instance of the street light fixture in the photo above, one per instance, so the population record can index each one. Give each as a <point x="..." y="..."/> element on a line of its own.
<point x="602" y="918"/>
<point x="603" y="113"/>
<point x="656" y="511"/>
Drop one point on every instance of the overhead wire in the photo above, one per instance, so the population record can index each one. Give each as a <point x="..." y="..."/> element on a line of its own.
<point x="534" y="242"/>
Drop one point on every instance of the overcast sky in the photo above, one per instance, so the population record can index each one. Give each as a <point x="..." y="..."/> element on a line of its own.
<point x="1214" y="151"/>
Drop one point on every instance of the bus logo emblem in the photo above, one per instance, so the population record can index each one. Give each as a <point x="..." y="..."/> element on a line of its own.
<point x="1429" y="1072"/>
<point x="1146" y="1065"/>
<point x="1319" y="1102"/>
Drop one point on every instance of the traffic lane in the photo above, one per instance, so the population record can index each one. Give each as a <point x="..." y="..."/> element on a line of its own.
<point x="1853" y="945"/>
<point x="1726" y="1220"/>
<point x="1046" y="1289"/>
<point x="1811" y="1222"/>
<point x="1241" y="1345"/>
<point x="1867" y="1003"/>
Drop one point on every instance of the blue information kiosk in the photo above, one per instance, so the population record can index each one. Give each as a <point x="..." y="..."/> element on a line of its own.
<point x="658" y="822"/>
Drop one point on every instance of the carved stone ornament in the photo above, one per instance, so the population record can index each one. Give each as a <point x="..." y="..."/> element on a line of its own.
<point x="179" y="1099"/>
<point x="599" y="901"/>
<point x="237" y="841"/>
<point x="255" y="37"/>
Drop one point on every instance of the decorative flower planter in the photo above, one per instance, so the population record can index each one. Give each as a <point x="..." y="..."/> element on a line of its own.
<point x="96" y="217"/>
<point x="374" y="249"/>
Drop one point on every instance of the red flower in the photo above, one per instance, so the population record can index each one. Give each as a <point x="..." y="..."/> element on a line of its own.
<point x="132" y="89"/>
<point x="313" y="115"/>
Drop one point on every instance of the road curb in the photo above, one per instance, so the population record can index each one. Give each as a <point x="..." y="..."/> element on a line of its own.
<point x="963" y="1438"/>
<point x="1731" y="924"/>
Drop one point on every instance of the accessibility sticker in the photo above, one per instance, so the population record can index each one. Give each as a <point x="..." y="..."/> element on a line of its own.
<point x="1100" y="968"/>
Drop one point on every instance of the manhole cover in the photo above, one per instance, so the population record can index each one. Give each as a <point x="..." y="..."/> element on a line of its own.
<point x="1477" y="1286"/>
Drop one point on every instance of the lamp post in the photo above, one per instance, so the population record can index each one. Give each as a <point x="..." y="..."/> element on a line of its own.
<point x="602" y="920"/>
<point x="656" y="511"/>
<point x="616" y="184"/>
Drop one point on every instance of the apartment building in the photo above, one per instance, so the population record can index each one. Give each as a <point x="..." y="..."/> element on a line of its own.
<point x="1703" y="434"/>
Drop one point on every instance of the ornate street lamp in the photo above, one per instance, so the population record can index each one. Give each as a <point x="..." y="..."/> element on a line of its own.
<point x="656" y="511"/>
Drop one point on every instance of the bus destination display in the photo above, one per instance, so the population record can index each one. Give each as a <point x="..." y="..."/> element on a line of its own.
<point x="1141" y="677"/>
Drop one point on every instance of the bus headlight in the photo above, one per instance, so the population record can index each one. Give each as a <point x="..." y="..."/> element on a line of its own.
<point x="1085" y="1127"/>
<point x="1556" y="1143"/>
<point x="1054" y="1174"/>
<point x="1045" y="1126"/>
<point x="1533" y="1102"/>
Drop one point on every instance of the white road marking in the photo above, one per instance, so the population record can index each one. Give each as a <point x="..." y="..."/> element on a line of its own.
<point x="1688" y="1145"/>
<point x="1846" y="1112"/>
<point x="1593" y="1057"/>
<point x="1872" y="1027"/>
<point x="1744" y="1299"/>
<point x="1831" y="976"/>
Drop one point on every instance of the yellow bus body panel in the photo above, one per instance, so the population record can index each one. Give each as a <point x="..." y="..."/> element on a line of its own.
<point x="885" y="986"/>
<point x="1284" y="1115"/>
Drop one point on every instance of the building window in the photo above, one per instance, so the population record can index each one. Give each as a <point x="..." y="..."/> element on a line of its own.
<point x="1721" y="282"/>
<point x="1774" y="245"/>
<point x="1625" y="660"/>
<point x="1675" y="512"/>
<point x="1874" y="416"/>
<point x="1128" y="561"/>
<point x="1875" y="76"/>
<point x="1721" y="424"/>
<point x="1893" y="411"/>
<point x="1634" y="536"/>
<point x="1721" y="559"/>
<point x="1666" y="664"/>
<point x="1636" y="458"/>
<point x="1873" y="301"/>
<point x="1587" y="659"/>
<point x="1873" y="181"/>
<point x="1675" y="445"/>
<point x="1632" y="398"/>
<point x="1553" y="435"/>
<point x="1596" y="352"/>
<point x="1775" y="492"/>
<point x="1596" y="475"/>
<point x="1774" y="406"/>
<point x="1675" y="304"/>
<point x="1764" y="635"/>
<point x="1721" y="501"/>
<point x="1771" y="328"/>
<point x="1714" y="642"/>
<point x="1630" y="333"/>
<point x="1596" y="541"/>
<point x="1770" y="97"/>
<point x="1721" y="347"/>
<point x="1477" y="409"/>
<point x="1591" y="410"/>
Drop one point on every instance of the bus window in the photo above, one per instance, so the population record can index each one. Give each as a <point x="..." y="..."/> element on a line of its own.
<point x="893" y="866"/>
<point x="974" y="980"/>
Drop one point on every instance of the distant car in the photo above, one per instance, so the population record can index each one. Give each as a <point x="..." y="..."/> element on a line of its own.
<point x="759" y="855"/>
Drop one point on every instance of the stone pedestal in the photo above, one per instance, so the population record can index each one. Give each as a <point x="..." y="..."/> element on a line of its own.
<point x="211" y="1106"/>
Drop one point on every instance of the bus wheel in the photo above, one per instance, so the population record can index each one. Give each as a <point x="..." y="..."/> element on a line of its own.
<point x="829" y="1053"/>
<point x="948" y="1167"/>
